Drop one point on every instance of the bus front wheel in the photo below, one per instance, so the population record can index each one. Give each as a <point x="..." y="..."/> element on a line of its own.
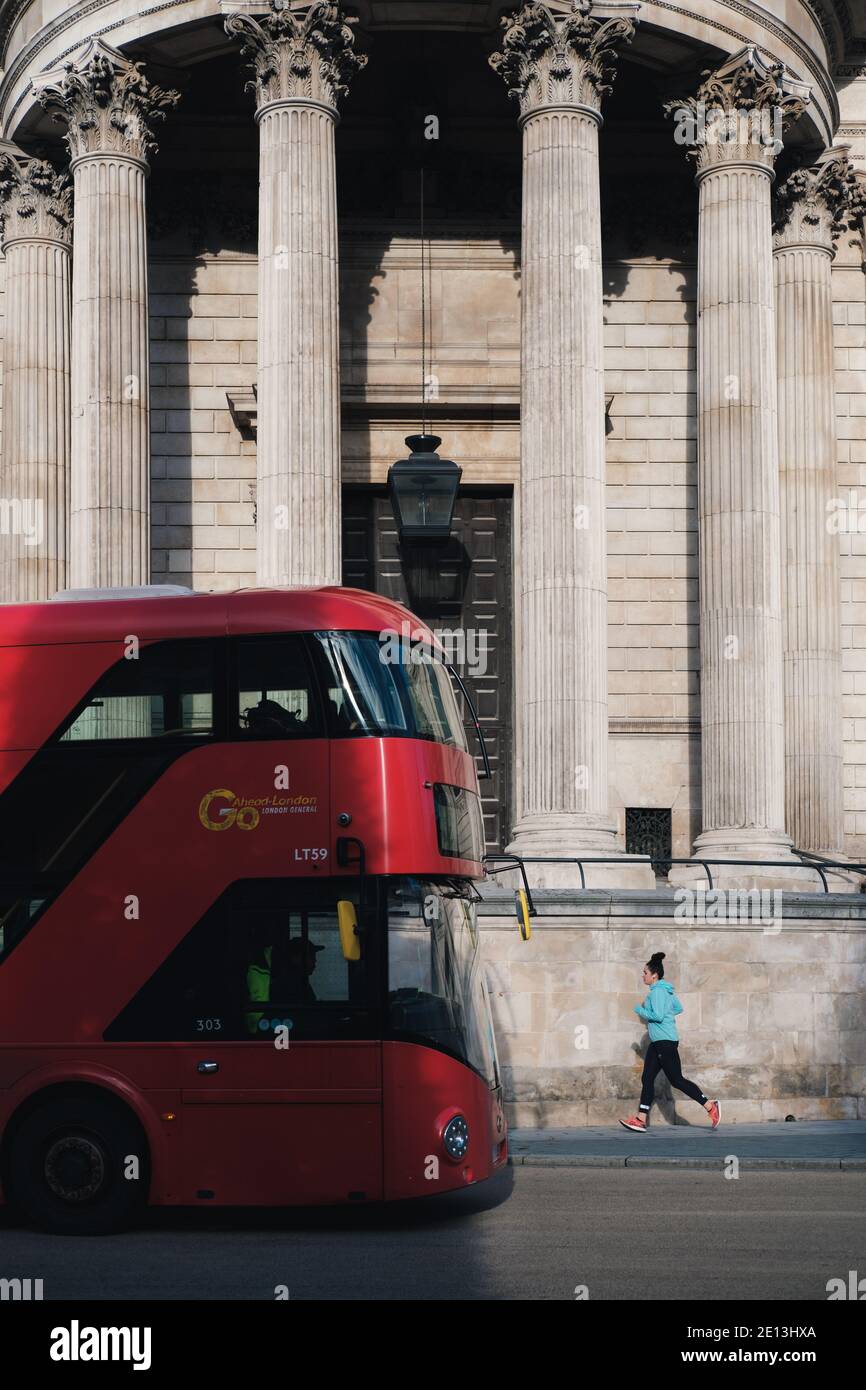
<point x="78" y="1166"/>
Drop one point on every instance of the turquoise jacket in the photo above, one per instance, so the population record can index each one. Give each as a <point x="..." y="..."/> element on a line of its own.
<point x="658" y="1011"/>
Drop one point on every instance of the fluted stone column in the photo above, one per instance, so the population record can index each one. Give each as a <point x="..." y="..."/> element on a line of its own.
<point x="558" y="68"/>
<point x="736" y="124"/>
<point x="34" y="471"/>
<point x="303" y="60"/>
<point x="108" y="107"/>
<point x="812" y="208"/>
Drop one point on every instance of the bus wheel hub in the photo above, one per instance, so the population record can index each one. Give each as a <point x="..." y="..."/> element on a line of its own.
<point x="74" y="1168"/>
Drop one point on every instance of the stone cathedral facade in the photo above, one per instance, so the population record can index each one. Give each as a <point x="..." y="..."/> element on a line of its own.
<point x="645" y="348"/>
<point x="213" y="350"/>
<point x="612" y="254"/>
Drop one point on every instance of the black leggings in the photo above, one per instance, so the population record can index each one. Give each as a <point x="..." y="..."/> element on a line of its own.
<point x="665" y="1056"/>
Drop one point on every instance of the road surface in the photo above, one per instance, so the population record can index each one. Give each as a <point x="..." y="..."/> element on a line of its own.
<point x="620" y="1233"/>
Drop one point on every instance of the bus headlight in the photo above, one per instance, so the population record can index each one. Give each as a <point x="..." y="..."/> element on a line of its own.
<point x="455" y="1137"/>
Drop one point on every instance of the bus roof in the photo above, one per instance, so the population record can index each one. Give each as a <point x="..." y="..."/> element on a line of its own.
<point x="101" y="617"/>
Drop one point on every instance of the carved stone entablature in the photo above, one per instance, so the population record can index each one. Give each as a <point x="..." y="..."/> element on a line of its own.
<point x="35" y="201"/>
<point x="817" y="204"/>
<point x="740" y="112"/>
<point x="106" y="103"/>
<point x="298" y="54"/>
<point x="552" y="59"/>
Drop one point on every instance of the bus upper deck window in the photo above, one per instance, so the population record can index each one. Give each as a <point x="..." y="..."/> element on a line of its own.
<point x="433" y="701"/>
<point x="275" y="693"/>
<point x="163" y="690"/>
<point x="387" y="688"/>
<point x="362" y="695"/>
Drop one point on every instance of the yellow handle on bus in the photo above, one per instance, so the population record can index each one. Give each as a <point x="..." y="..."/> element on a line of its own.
<point x="521" y="905"/>
<point x="347" y="919"/>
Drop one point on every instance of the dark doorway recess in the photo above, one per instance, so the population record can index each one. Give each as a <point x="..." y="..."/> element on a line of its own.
<point x="463" y="587"/>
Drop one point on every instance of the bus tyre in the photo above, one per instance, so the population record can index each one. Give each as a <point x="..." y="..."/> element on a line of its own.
<point x="69" y="1169"/>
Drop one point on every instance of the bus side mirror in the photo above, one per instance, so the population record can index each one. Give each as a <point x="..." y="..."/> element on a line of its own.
<point x="347" y="919"/>
<point x="521" y="907"/>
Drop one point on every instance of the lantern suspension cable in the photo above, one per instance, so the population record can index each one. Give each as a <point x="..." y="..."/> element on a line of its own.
<point x="423" y="487"/>
<point x="423" y="318"/>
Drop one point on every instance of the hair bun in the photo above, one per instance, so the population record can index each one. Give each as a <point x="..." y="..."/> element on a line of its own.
<point x="657" y="955"/>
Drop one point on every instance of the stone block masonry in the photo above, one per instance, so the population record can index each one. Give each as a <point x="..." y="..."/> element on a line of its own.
<point x="203" y="344"/>
<point x="773" y="1020"/>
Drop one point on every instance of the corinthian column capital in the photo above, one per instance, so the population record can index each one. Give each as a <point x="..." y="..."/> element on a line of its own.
<point x="814" y="206"/>
<point x="35" y="201"/>
<point x="554" y="59"/>
<point x="107" y="104"/>
<point x="302" y="54"/>
<point x="740" y="113"/>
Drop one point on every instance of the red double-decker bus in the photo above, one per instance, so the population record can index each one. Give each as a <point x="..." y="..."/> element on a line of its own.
<point x="239" y="959"/>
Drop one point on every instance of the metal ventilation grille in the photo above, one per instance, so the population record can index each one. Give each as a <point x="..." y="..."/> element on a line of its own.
<point x="648" y="831"/>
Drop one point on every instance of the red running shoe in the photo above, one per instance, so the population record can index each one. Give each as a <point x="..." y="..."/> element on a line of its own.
<point x="636" y="1122"/>
<point x="715" y="1114"/>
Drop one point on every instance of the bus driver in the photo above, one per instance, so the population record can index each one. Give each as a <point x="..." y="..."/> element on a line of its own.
<point x="288" y="977"/>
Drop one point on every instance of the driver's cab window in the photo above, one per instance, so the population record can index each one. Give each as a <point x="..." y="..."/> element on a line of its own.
<point x="275" y="696"/>
<point x="265" y="961"/>
<point x="290" y="961"/>
<point x="160" y="690"/>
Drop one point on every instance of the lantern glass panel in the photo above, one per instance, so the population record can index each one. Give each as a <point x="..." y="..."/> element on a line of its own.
<point x="425" y="499"/>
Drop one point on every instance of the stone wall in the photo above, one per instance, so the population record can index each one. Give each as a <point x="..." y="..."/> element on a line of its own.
<point x="774" y="1022"/>
<point x="203" y="344"/>
<point x="473" y="367"/>
<point x="653" y="653"/>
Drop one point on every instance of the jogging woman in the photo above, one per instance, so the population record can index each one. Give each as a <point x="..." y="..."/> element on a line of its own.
<point x="659" y="1010"/>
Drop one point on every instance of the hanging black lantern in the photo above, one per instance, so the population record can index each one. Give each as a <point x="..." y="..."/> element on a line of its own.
<point x="423" y="490"/>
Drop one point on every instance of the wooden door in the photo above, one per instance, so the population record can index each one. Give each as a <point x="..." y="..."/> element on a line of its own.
<point x="460" y="587"/>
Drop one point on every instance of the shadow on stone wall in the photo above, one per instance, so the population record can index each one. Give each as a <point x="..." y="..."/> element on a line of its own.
<point x="774" y="1022"/>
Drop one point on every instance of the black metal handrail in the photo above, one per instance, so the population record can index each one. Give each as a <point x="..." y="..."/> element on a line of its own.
<point x="512" y="860"/>
<point x="829" y="863"/>
<point x="519" y="861"/>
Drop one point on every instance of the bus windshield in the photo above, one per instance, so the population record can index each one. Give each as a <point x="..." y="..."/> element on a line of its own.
<point x="436" y="987"/>
<point x="388" y="689"/>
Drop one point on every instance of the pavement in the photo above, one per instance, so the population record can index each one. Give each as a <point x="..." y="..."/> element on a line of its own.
<point x="815" y="1144"/>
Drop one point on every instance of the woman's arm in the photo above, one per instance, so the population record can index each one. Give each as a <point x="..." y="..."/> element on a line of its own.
<point x="649" y="1009"/>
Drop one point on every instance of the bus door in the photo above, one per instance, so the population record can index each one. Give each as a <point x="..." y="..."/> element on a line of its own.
<point x="277" y="1048"/>
<point x="287" y="1109"/>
